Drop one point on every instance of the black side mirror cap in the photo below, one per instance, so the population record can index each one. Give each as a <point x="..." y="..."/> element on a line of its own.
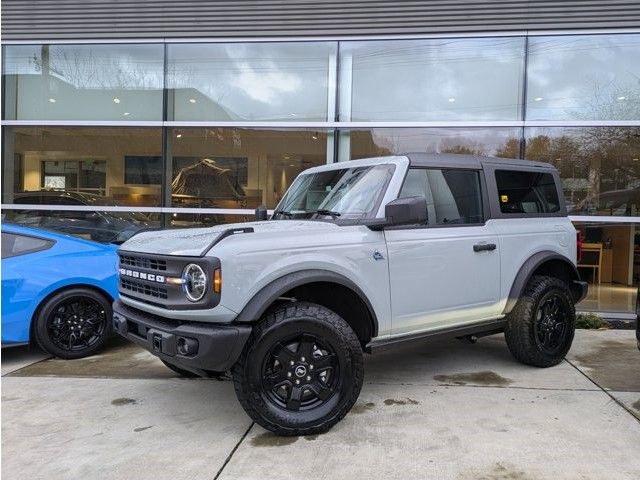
<point x="406" y="211"/>
<point x="403" y="211"/>
<point x="261" y="213"/>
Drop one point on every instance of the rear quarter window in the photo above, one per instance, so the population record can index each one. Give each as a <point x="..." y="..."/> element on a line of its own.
<point x="14" y="244"/>
<point x="522" y="192"/>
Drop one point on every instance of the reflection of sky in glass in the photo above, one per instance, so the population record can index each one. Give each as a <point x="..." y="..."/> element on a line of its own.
<point x="437" y="79"/>
<point x="255" y="81"/>
<point x="594" y="77"/>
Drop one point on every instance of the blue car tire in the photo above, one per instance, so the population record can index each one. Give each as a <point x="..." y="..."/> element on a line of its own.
<point x="73" y="323"/>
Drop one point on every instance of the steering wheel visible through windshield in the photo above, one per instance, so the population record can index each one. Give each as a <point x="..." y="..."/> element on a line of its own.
<point x="347" y="193"/>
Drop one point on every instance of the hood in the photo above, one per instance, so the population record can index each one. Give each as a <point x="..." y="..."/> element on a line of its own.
<point x="195" y="242"/>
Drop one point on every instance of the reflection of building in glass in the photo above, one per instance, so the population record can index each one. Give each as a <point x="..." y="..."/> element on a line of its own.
<point x="192" y="133"/>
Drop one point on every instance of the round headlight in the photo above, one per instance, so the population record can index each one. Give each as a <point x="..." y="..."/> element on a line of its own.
<point x="194" y="282"/>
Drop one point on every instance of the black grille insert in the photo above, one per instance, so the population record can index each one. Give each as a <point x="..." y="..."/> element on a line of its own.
<point x="149" y="290"/>
<point x="143" y="262"/>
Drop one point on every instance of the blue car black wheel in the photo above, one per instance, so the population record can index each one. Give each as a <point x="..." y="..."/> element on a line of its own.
<point x="74" y="323"/>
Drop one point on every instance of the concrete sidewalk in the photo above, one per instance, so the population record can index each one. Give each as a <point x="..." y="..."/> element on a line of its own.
<point x="442" y="410"/>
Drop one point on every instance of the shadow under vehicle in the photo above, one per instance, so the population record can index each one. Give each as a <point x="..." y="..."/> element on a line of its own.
<point x="99" y="226"/>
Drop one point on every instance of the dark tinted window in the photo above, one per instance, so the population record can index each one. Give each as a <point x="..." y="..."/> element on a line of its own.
<point x="14" y="245"/>
<point x="527" y="192"/>
<point x="453" y="196"/>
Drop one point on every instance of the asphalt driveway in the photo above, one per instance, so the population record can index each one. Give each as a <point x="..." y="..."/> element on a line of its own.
<point x="443" y="410"/>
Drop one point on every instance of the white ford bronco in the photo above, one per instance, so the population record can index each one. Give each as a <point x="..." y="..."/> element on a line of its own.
<point x="357" y="255"/>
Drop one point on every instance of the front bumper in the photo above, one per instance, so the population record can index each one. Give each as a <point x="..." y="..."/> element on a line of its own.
<point x="193" y="346"/>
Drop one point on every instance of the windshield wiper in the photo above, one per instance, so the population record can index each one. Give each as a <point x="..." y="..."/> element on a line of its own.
<point x="283" y="212"/>
<point x="322" y="211"/>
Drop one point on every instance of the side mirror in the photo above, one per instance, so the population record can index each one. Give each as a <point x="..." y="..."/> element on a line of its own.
<point x="406" y="211"/>
<point x="261" y="213"/>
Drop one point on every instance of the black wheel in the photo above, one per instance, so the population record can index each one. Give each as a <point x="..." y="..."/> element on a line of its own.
<point x="541" y="326"/>
<point x="181" y="372"/>
<point x="301" y="371"/>
<point x="73" y="323"/>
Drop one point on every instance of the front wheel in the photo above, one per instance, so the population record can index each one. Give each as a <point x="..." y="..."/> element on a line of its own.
<point x="541" y="326"/>
<point x="73" y="323"/>
<point x="301" y="371"/>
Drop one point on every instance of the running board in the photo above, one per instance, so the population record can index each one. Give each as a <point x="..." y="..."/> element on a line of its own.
<point x="477" y="330"/>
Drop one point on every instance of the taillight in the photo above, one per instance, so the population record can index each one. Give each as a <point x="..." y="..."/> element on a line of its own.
<point x="578" y="245"/>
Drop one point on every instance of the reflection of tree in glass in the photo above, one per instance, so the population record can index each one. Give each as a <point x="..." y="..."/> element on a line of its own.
<point x="87" y="68"/>
<point x="593" y="162"/>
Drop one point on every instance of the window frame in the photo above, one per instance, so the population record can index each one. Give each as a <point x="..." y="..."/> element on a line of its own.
<point x="492" y="184"/>
<point x="49" y="244"/>
<point x="484" y="205"/>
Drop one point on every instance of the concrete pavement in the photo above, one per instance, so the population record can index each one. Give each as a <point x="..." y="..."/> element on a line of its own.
<point x="442" y="410"/>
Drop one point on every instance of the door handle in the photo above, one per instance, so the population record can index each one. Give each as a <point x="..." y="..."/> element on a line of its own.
<point x="480" y="247"/>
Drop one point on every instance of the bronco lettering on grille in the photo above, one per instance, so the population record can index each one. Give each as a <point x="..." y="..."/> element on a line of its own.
<point x="150" y="277"/>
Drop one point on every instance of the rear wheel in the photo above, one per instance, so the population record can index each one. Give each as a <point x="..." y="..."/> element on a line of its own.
<point x="301" y="371"/>
<point x="541" y="326"/>
<point x="73" y="323"/>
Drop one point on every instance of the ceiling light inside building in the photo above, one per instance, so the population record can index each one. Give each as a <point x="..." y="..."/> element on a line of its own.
<point x="452" y="99"/>
<point x="116" y="100"/>
<point x="179" y="135"/>
<point x="622" y="98"/>
<point x="538" y="99"/>
<point x="52" y="100"/>
<point x="126" y="114"/>
<point x="192" y="100"/>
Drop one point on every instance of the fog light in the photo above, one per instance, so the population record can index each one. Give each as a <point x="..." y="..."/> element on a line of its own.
<point x="187" y="346"/>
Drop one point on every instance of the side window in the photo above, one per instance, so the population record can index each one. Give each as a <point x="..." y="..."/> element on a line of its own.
<point x="527" y="192"/>
<point x="453" y="196"/>
<point x="14" y="245"/>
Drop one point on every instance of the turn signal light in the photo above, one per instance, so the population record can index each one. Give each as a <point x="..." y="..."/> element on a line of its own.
<point x="217" y="280"/>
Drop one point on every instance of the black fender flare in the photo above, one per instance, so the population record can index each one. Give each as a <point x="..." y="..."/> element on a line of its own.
<point x="531" y="265"/>
<point x="264" y="298"/>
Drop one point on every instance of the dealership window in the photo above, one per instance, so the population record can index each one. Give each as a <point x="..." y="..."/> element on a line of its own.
<point x="83" y="82"/>
<point x="70" y="167"/>
<point x="235" y="168"/>
<point x="89" y="160"/>
<point x="599" y="166"/>
<point x="251" y="81"/>
<point x="611" y="264"/>
<point x="584" y="77"/>
<point x="432" y="80"/>
<point x="363" y="143"/>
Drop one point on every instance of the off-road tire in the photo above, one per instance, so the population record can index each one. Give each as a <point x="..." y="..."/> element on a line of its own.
<point x="43" y="336"/>
<point x="310" y="321"/>
<point x="181" y="372"/>
<point x="523" y="322"/>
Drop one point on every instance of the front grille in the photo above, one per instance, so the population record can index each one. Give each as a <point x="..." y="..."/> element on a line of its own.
<point x="143" y="262"/>
<point x="149" y="290"/>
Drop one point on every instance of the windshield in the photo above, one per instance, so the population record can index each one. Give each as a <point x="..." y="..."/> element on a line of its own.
<point x="349" y="193"/>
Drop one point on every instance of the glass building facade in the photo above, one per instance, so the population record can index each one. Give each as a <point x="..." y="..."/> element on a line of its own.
<point x="191" y="134"/>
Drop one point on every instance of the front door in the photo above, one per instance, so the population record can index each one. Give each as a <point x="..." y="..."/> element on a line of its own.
<point x="446" y="272"/>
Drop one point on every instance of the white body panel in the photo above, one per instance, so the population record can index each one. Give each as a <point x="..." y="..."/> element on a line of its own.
<point x="437" y="279"/>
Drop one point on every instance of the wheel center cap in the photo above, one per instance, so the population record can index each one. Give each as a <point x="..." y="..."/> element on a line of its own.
<point x="300" y="371"/>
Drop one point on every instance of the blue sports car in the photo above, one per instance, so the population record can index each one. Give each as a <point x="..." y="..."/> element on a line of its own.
<point x="57" y="291"/>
